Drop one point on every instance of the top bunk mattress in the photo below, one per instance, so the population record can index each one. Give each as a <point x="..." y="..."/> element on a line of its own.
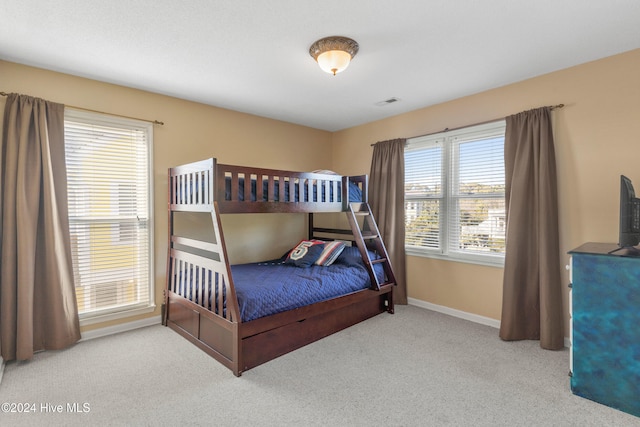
<point x="317" y="193"/>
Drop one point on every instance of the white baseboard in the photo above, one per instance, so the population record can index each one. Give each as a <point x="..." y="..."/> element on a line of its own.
<point x="110" y="330"/>
<point x="456" y="313"/>
<point x="464" y="315"/>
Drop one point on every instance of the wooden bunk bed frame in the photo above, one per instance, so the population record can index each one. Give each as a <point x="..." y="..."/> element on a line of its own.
<point x="238" y="345"/>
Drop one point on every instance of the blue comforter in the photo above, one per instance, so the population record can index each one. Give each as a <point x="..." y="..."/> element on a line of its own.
<point x="272" y="287"/>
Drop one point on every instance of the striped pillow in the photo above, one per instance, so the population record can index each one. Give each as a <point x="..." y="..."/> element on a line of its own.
<point x="330" y="253"/>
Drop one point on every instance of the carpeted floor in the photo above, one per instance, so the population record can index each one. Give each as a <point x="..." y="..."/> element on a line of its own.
<point x="413" y="368"/>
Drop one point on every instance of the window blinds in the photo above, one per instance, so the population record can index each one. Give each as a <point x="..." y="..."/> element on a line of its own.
<point x="423" y="193"/>
<point x="109" y="194"/>
<point x="454" y="192"/>
<point x="476" y="202"/>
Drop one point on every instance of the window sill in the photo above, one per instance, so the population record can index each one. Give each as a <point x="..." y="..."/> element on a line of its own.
<point x="91" y="319"/>
<point x="487" y="261"/>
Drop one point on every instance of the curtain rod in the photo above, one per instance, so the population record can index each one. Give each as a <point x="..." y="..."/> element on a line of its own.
<point x="551" y="107"/>
<point x="155" y="122"/>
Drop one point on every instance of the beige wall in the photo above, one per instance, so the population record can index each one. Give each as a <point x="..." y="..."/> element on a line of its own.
<point x="597" y="136"/>
<point x="192" y="132"/>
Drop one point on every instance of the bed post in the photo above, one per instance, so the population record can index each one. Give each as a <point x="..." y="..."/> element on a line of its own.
<point x="310" y="226"/>
<point x="165" y="296"/>
<point x="237" y="362"/>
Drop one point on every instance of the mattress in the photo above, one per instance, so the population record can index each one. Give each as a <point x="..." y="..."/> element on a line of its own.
<point x="271" y="287"/>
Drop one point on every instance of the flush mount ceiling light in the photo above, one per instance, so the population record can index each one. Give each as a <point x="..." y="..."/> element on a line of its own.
<point x="334" y="53"/>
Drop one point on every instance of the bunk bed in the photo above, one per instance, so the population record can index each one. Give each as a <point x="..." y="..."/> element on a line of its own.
<point x="245" y="315"/>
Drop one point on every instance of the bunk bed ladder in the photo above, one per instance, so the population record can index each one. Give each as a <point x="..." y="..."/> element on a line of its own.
<point x="367" y="236"/>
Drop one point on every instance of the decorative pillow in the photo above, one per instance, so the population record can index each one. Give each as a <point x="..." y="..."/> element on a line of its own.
<point x="330" y="253"/>
<point x="305" y="253"/>
<point x="351" y="256"/>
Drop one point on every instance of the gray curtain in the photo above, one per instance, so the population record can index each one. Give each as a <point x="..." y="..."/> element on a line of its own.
<point x="532" y="299"/>
<point x="38" y="308"/>
<point x="386" y="197"/>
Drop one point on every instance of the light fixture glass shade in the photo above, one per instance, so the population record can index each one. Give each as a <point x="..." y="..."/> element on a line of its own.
<point x="334" y="53"/>
<point x="334" y="61"/>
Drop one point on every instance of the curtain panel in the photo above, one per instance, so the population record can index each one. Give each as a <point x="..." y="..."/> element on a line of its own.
<point x="386" y="195"/>
<point x="38" y="309"/>
<point x="532" y="298"/>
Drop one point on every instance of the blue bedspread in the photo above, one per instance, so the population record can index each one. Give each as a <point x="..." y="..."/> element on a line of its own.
<point x="268" y="288"/>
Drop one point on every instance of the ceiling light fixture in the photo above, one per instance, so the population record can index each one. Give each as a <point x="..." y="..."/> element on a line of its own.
<point x="334" y="53"/>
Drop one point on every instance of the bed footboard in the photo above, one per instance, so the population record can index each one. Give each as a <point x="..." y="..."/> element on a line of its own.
<point x="212" y="334"/>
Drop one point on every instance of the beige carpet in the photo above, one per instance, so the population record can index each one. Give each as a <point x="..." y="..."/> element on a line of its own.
<point x="413" y="368"/>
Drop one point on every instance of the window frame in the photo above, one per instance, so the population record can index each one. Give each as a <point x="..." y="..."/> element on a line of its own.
<point x="449" y="170"/>
<point x="143" y="307"/>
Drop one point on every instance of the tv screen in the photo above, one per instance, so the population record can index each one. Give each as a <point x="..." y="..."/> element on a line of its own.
<point x="629" y="215"/>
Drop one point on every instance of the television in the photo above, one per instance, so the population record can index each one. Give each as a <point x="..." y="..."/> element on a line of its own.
<point x="629" y="235"/>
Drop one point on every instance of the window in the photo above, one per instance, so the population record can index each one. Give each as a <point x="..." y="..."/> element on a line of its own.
<point x="454" y="194"/>
<point x="110" y="214"/>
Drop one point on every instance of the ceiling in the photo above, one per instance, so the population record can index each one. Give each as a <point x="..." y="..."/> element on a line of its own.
<point x="252" y="56"/>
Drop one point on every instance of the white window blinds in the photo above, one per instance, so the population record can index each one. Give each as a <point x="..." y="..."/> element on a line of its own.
<point x="424" y="193"/>
<point x="454" y="194"/>
<point x="477" y="210"/>
<point x="109" y="192"/>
